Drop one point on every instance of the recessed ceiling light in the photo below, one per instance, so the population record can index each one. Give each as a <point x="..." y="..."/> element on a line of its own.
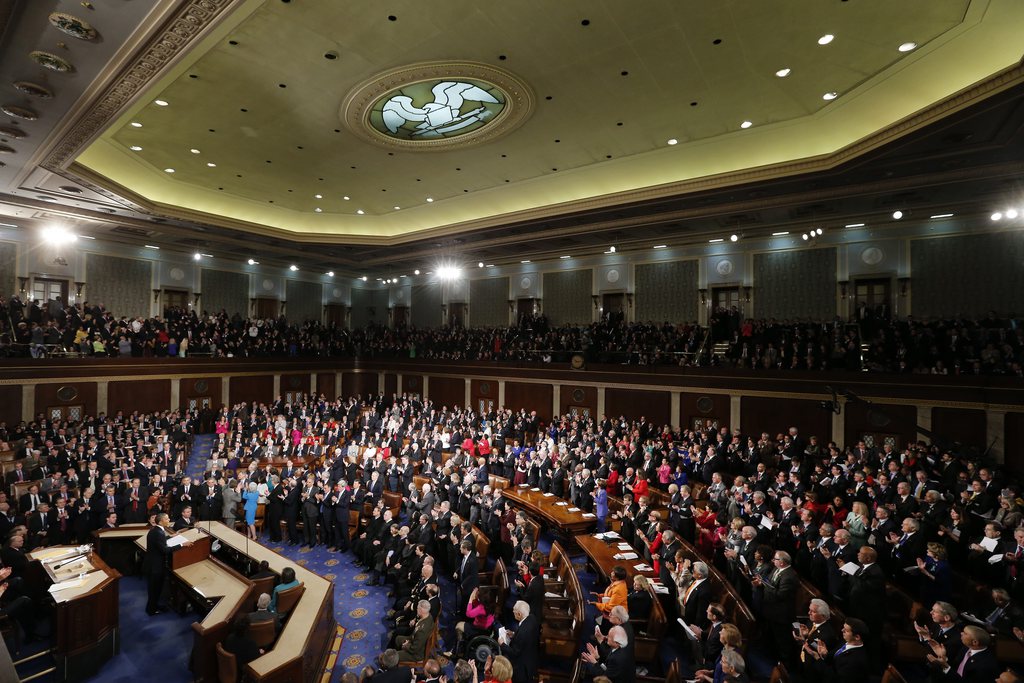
<point x="780" y="233"/>
<point x="363" y="278"/>
<point x="208" y="255"/>
<point x="135" y="148"/>
<point x="293" y="267"/>
<point x="318" y="196"/>
<point x="829" y="96"/>
<point x="430" y="199"/>
<point x="819" y="231"/>
<point x="90" y="237"/>
<point x="1011" y="213"/>
<point x="194" y="150"/>
<point x="251" y="262"/>
<point x="566" y="256"/>
<point x="826" y="39"/>
<point x="746" y="124"/>
<point x="897" y="214"/>
<point x="782" y="73"/>
<point x="907" y="47"/>
<point x="943" y="215"/>
<point x="151" y="246"/>
<point x="490" y="265"/>
<point x="168" y="170"/>
<point x="480" y="264"/>
<point x="196" y="256"/>
<point x="330" y="273"/>
<point x="136" y="124"/>
<point x="161" y="103"/>
<point x="997" y="216"/>
<point x="855" y="225"/>
<point x="611" y="250"/>
<point x="346" y="198"/>
<point x="415" y="272"/>
<point x="806" y="237"/>
<point x="660" y="246"/>
<point x="396" y="208"/>
<point x="318" y="209"/>
<point x="734" y="238"/>
<point x="673" y="141"/>
<point x="526" y="261"/>
<point x="716" y="240"/>
<point x="211" y="164"/>
<point x="360" y="212"/>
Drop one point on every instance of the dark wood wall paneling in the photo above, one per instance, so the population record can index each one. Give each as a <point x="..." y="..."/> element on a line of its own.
<point x="529" y="396"/>
<point x="147" y="396"/>
<point x="412" y="384"/>
<point x="325" y="385"/>
<point x="46" y="396"/>
<point x="864" y="418"/>
<point x="193" y="387"/>
<point x="10" y="404"/>
<point x="447" y="391"/>
<point x="251" y="389"/>
<point x="296" y="382"/>
<point x="483" y="392"/>
<point x="960" y="424"/>
<point x="1013" y="443"/>
<point x="777" y="415"/>
<point x="656" y="406"/>
<point x="390" y="383"/>
<point x="359" y="383"/>
<point x="576" y="396"/>
<point x="695" y="405"/>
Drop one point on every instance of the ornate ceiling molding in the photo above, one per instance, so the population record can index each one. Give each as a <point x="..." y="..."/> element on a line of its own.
<point x="186" y="26"/>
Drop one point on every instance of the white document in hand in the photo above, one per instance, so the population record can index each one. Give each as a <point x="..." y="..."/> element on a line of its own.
<point x="850" y="568"/>
<point x="175" y="541"/>
<point x="503" y="635"/>
<point x="767" y="523"/>
<point x="686" y="627"/>
<point x="995" y="559"/>
<point x="989" y="544"/>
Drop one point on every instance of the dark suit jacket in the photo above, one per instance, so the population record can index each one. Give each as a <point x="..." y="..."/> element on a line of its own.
<point x="866" y="596"/>
<point x="850" y="666"/>
<point x="469" y="577"/>
<point x="534" y="595"/>
<point x="524" y="650"/>
<point x="779" y="602"/>
<point x="616" y="666"/>
<point x="981" y="668"/>
<point x="157" y="551"/>
<point x="695" y="610"/>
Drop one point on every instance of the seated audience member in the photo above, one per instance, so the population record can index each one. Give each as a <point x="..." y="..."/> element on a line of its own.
<point x="413" y="648"/>
<point x="263" y="613"/>
<point x="241" y="645"/>
<point x="288" y="580"/>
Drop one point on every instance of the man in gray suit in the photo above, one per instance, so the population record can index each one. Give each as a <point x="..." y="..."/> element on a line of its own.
<point x="779" y="604"/>
<point x="230" y="499"/>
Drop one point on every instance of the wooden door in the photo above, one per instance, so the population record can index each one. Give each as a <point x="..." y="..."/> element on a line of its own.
<point x="176" y="298"/>
<point x="875" y="296"/>
<point x="613" y="306"/>
<point x="456" y="315"/>
<point x="525" y="308"/>
<point x="267" y="308"/>
<point x="335" y="314"/>
<point x="45" y="290"/>
<point x="725" y="297"/>
<point x="399" y="316"/>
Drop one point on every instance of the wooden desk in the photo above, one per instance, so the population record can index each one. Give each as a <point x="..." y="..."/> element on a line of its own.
<point x="199" y="550"/>
<point x="87" y="617"/>
<point x="547" y="508"/>
<point x="117" y="546"/>
<point x="602" y="555"/>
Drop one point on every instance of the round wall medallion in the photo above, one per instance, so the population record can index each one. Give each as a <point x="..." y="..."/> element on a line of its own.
<point x="705" y="404"/>
<point x="67" y="393"/>
<point x="612" y="276"/>
<point x="13" y="133"/>
<point x="872" y="256"/>
<point x="525" y="283"/>
<point x="19" y="112"/>
<point x="399" y="295"/>
<point x="34" y="89"/>
<point x="268" y="284"/>
<point x="177" y="274"/>
<point x="294" y="381"/>
<point x="485" y="388"/>
<point x="578" y="395"/>
<point x="412" y="382"/>
<point x="201" y="386"/>
<point x="73" y="26"/>
<point x="48" y="60"/>
<point x="437" y="105"/>
<point x="336" y="293"/>
<point x="724" y="267"/>
<point x="5" y="149"/>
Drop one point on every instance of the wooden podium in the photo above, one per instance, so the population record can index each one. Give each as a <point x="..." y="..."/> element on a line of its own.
<point x="86" y="626"/>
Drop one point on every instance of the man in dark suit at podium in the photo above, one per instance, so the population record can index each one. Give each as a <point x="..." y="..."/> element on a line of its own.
<point x="154" y="565"/>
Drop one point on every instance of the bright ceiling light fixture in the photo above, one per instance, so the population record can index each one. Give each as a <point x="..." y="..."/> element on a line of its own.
<point x="734" y="238"/>
<point x="252" y="262"/>
<point x="136" y="124"/>
<point x="897" y="214"/>
<point x="318" y="196"/>
<point x="293" y="267"/>
<point x="1011" y="213"/>
<point x="855" y="225"/>
<point x="151" y="246"/>
<point x="942" y="215"/>
<point x="746" y="124"/>
<point x="673" y="141"/>
<point x="780" y="233"/>
<point x="659" y="246"/>
<point x="525" y="261"/>
<point x="565" y="256"/>
<point x="448" y="272"/>
<point x="330" y="273"/>
<point x="360" y="212"/>
<point x="135" y="148"/>
<point x="430" y="200"/>
<point x="58" y="235"/>
<point x="161" y="103"/>
<point x="826" y="39"/>
<point x="480" y="264"/>
<point x="907" y="47"/>
<point x="346" y="198"/>
<point x="194" y="150"/>
<point x="168" y="170"/>
<point x="806" y="237"/>
<point x="819" y="231"/>
<point x="318" y="210"/>
<point x="211" y="164"/>
<point x="782" y="73"/>
<point x="829" y="96"/>
<point x="196" y="256"/>
<point x="363" y="278"/>
<point x="997" y="216"/>
<point x="415" y="272"/>
<point x="611" y="250"/>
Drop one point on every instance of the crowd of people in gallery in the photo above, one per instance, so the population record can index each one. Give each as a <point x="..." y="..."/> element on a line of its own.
<point x="866" y="527"/>
<point x="873" y="342"/>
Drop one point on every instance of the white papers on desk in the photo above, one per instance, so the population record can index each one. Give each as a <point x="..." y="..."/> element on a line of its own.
<point x="548" y="495"/>
<point x="989" y="544"/>
<point x="561" y="503"/>
<point x="574" y="509"/>
<point x="643" y="568"/>
<point x="850" y="568"/>
<point x="523" y="485"/>
<point x="767" y="523"/>
<point x="625" y="556"/>
<point x="588" y="515"/>
<point x="686" y="629"/>
<point x="611" y="534"/>
<point x="175" y="541"/>
<point x="535" y="488"/>
<point x="64" y="585"/>
<point x="995" y="559"/>
<point x="624" y="546"/>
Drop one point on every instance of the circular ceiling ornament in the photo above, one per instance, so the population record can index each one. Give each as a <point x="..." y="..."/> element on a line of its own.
<point x="268" y="284"/>
<point x="724" y="267"/>
<point x="437" y="106"/>
<point x="19" y="112"/>
<point x="872" y="256"/>
<point x="34" y="89"/>
<point x="612" y="276"/>
<point x="337" y="292"/>
<point x="525" y="283"/>
<point x="13" y="133"/>
<point x="50" y="61"/>
<point x="6" y="149"/>
<point x="705" y="404"/>
<point x="177" y="274"/>
<point x="73" y="26"/>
